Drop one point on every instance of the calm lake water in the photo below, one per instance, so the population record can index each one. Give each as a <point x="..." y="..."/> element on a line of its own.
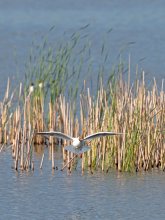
<point x="138" y="28"/>
<point x="44" y="194"/>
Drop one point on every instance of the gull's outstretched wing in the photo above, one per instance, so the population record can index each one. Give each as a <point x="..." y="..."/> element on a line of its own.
<point x="100" y="134"/>
<point x="56" y="134"/>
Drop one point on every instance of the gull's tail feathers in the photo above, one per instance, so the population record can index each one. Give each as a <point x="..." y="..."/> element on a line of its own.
<point x="77" y="151"/>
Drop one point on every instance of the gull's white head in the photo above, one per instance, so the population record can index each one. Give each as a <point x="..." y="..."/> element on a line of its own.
<point x="76" y="142"/>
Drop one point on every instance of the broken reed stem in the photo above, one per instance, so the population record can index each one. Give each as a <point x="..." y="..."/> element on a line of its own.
<point x="69" y="162"/>
<point x="2" y="147"/>
<point x="52" y="150"/>
<point x="42" y="159"/>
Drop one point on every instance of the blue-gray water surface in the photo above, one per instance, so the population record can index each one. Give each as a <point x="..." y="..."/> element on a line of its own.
<point x="43" y="194"/>
<point x="137" y="29"/>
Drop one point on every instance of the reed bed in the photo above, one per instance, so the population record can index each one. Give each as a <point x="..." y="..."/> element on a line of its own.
<point x="119" y="106"/>
<point x="49" y="100"/>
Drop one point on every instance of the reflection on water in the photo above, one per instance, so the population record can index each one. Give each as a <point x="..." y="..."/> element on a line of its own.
<point x="45" y="195"/>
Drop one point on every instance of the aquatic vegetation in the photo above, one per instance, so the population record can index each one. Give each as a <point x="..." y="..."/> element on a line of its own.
<point x="52" y="102"/>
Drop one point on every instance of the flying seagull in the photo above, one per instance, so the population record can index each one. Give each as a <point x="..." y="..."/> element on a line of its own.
<point x="78" y="145"/>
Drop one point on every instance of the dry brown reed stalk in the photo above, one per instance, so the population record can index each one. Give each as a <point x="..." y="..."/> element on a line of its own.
<point x="69" y="125"/>
<point x="135" y="111"/>
<point x="132" y="109"/>
<point x="5" y="115"/>
<point x="61" y="118"/>
<point x="22" y="135"/>
<point x="37" y="115"/>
